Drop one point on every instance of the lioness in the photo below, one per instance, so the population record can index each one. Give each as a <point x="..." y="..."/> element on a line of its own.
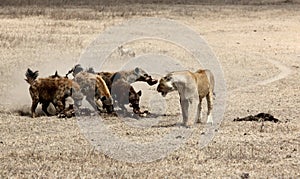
<point x="192" y="88"/>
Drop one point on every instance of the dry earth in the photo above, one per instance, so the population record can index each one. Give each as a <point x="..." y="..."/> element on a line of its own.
<point x="257" y="46"/>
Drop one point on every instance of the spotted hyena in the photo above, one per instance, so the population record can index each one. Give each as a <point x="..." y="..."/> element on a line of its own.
<point x="94" y="88"/>
<point x="53" y="90"/>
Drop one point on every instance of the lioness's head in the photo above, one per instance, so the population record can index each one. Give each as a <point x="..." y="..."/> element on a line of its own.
<point x="165" y="85"/>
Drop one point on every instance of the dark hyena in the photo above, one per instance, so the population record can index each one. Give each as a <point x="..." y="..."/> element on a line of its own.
<point x="123" y="93"/>
<point x="53" y="90"/>
<point x="121" y="81"/>
<point x="130" y="77"/>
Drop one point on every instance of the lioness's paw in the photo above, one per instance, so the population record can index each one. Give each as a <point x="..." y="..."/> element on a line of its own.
<point x="209" y="119"/>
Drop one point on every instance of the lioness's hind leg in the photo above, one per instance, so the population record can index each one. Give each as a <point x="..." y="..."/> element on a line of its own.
<point x="199" y="113"/>
<point x="209" y="99"/>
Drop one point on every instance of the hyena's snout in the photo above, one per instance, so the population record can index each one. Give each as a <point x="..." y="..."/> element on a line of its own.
<point x="108" y="104"/>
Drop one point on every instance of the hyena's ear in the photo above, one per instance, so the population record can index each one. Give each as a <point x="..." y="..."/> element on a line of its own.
<point x="77" y="69"/>
<point x="139" y="93"/>
<point x="116" y="76"/>
<point x="136" y="70"/>
<point x="91" y="70"/>
<point x="103" y="98"/>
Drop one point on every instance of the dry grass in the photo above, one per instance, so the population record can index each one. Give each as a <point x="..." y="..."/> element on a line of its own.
<point x="92" y="3"/>
<point x="41" y="38"/>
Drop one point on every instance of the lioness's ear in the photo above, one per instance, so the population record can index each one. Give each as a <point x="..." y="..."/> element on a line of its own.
<point x="139" y="93"/>
<point x="137" y="70"/>
<point x="168" y="78"/>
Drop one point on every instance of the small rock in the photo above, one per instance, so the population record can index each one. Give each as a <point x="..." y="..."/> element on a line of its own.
<point x="245" y="175"/>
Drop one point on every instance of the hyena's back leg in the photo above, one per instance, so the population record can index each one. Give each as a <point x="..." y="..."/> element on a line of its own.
<point x="45" y="107"/>
<point x="34" y="104"/>
<point x="209" y="98"/>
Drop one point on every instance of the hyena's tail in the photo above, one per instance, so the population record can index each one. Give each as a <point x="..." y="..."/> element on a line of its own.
<point x="31" y="76"/>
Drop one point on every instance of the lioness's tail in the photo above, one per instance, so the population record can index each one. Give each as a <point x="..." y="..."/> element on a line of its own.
<point x="31" y="76"/>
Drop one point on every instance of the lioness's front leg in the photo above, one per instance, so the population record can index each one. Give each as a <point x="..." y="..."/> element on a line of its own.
<point x="193" y="110"/>
<point x="184" y="109"/>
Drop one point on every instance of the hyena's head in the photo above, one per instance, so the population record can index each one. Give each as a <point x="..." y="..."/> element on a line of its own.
<point x="107" y="103"/>
<point x="134" y="99"/>
<point x="142" y="75"/>
<point x="165" y="85"/>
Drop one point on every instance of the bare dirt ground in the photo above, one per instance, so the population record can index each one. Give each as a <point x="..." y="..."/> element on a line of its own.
<point x="257" y="46"/>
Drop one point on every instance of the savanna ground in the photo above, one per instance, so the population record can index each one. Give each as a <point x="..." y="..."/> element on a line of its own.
<point x="257" y="46"/>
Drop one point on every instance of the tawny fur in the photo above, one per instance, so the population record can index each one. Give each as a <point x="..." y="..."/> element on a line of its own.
<point x="192" y="88"/>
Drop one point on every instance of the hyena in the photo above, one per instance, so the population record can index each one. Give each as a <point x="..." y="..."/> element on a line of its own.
<point x="94" y="88"/>
<point x="119" y="82"/>
<point x="123" y="93"/>
<point x="53" y="90"/>
<point x="131" y="76"/>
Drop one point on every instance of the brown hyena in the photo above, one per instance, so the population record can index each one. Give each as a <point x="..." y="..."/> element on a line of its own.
<point x="130" y="77"/>
<point x="53" y="90"/>
<point x="123" y="93"/>
<point x="121" y="82"/>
